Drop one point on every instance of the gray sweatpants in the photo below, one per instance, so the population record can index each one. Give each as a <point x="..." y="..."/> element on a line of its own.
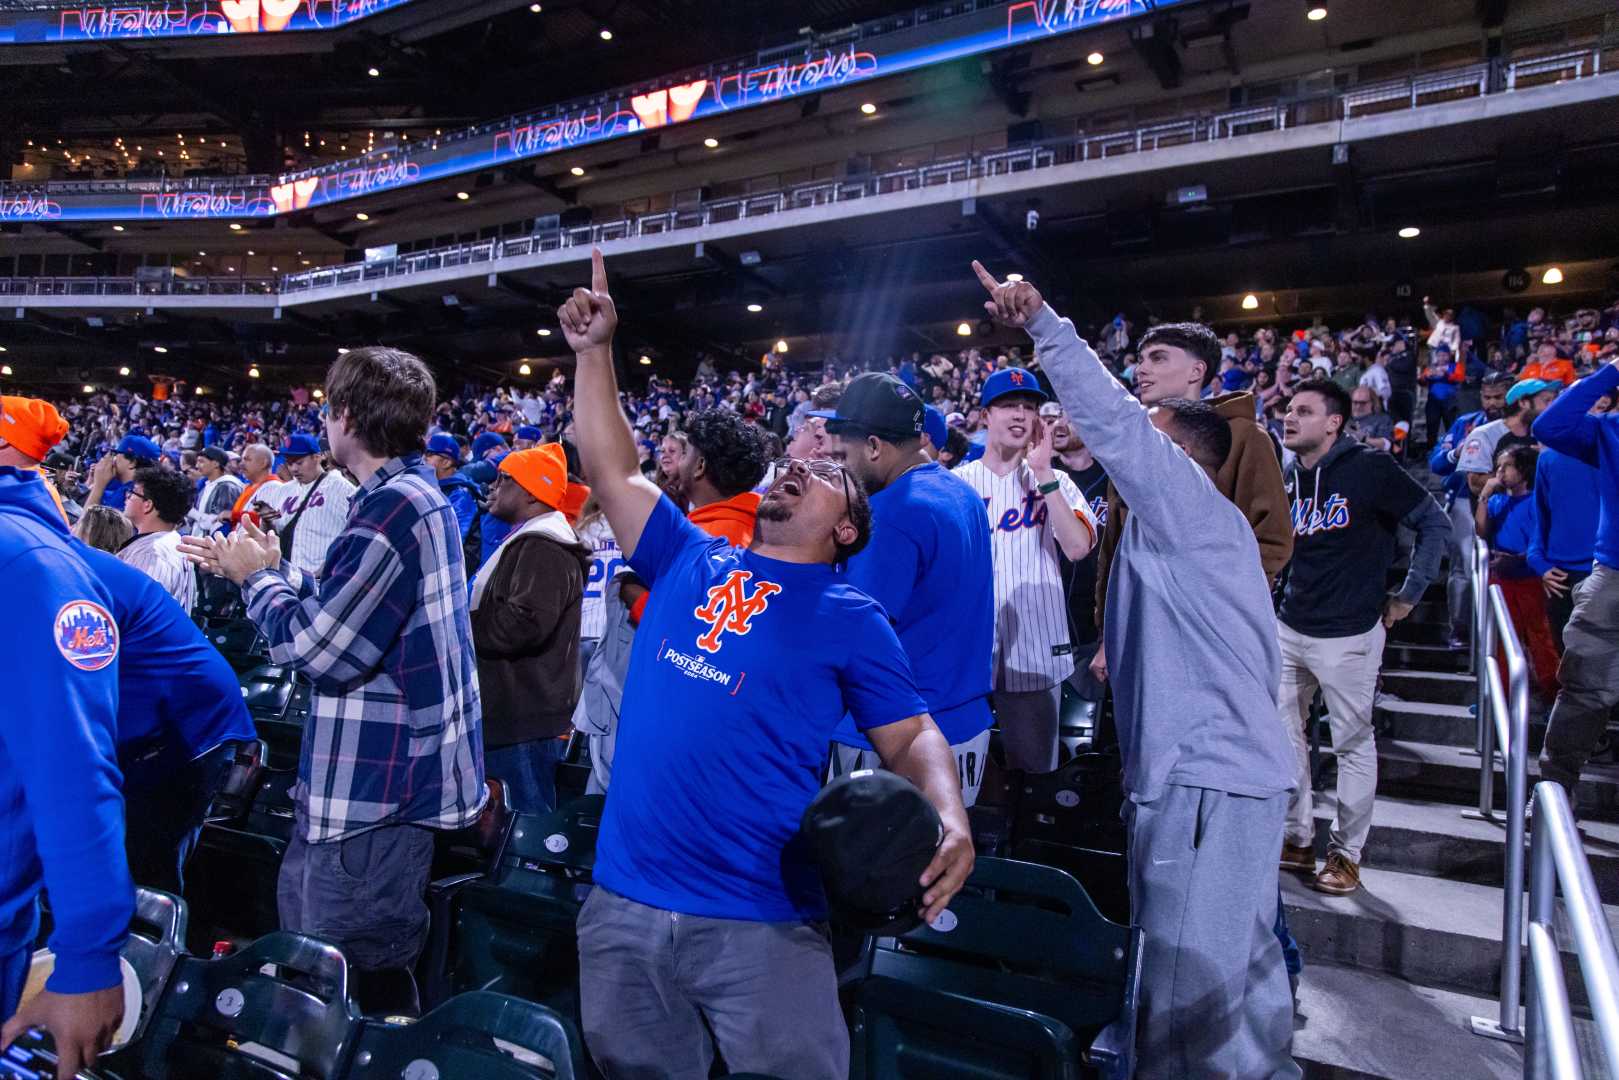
<point x="1214" y="995"/>
<point x="1589" y="675"/>
<point x="653" y="984"/>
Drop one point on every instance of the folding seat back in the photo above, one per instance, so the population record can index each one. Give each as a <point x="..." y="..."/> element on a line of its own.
<point x="241" y="783"/>
<point x="277" y="1010"/>
<point x="155" y="944"/>
<point x="231" y="878"/>
<point x="239" y="641"/>
<point x="477" y="1034"/>
<point x="1021" y="977"/>
<point x="1078" y="804"/>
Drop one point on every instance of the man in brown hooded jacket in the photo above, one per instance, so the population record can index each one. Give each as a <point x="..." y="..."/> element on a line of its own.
<point x="1177" y="360"/>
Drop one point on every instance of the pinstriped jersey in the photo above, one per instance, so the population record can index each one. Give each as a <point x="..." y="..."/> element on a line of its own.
<point x="1033" y="650"/>
<point x="326" y="516"/>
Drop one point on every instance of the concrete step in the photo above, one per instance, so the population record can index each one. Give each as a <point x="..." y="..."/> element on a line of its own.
<point x="1424" y="721"/>
<point x="1404" y="655"/>
<point x="1421" y="631"/>
<point x="1449" y="774"/>
<point x="1435" y="840"/>
<point x="1440" y="687"/>
<point x="1354" y="1024"/>
<point x="1425" y="930"/>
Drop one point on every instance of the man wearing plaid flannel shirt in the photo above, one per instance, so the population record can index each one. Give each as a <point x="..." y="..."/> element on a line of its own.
<point x="393" y="747"/>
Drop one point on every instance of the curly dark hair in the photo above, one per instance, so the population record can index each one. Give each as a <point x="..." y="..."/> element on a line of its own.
<point x="1195" y="338"/>
<point x="735" y="452"/>
<point x="169" y="492"/>
<point x="1207" y="434"/>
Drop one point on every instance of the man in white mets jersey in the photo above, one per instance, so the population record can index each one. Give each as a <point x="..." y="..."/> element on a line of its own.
<point x="313" y="509"/>
<point x="1035" y="512"/>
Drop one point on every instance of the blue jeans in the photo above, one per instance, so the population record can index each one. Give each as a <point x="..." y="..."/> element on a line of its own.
<point x="529" y="772"/>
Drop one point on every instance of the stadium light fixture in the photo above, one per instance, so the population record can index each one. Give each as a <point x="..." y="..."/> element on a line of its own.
<point x="159" y="349"/>
<point x="373" y="72"/>
<point x="1410" y="232"/>
<point x="1552" y="276"/>
<point x="868" y="108"/>
<point x="253" y="372"/>
<point x="646" y="361"/>
<point x="524" y="369"/>
<point x="756" y="308"/>
<point x="124" y="371"/>
<point x="577" y="170"/>
<point x="711" y="142"/>
<point x="362" y="216"/>
<point x="1095" y="59"/>
<point x="964" y="329"/>
<point x="781" y="346"/>
<point x="1316" y="12"/>
<point x="1250" y="302"/>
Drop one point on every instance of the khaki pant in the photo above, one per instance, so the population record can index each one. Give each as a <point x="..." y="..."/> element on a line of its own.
<point x="1346" y="670"/>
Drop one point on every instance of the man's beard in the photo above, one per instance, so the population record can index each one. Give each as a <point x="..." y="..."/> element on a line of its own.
<point x="773" y="510"/>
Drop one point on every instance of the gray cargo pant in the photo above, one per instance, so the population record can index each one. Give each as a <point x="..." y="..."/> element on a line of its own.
<point x="1214" y="995"/>
<point x="654" y="983"/>
<point x="1589" y="675"/>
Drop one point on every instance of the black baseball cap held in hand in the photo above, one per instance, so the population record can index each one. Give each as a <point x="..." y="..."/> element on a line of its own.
<point x="879" y="404"/>
<point x="873" y="834"/>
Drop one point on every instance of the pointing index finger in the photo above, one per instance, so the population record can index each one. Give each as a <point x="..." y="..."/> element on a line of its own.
<point x="598" y="272"/>
<point x="984" y="277"/>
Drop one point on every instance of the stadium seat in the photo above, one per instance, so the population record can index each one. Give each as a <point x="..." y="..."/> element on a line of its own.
<point x="239" y="641"/>
<point x="230" y="880"/>
<point x="1069" y="819"/>
<point x="156" y="942"/>
<point x="218" y="599"/>
<point x="1022" y="977"/>
<point x="278" y="701"/>
<point x="236" y="792"/>
<point x="477" y="1034"/>
<point x="277" y="1010"/>
<point x="513" y="930"/>
<point x="573" y="771"/>
<point x="460" y="857"/>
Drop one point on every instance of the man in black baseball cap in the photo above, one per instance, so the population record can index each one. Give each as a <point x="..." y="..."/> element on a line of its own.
<point x="218" y="494"/>
<point x="928" y="563"/>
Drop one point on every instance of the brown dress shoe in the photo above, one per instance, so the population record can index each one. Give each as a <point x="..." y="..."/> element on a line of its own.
<point x="1339" y="877"/>
<point x="1298" y="857"/>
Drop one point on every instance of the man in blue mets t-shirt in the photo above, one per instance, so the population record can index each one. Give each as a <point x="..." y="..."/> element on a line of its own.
<point x="703" y="932"/>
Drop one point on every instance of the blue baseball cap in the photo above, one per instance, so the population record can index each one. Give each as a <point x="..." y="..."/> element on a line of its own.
<point x="1529" y="388"/>
<point x="299" y="445"/>
<point x="934" y="427"/>
<point x="446" y="445"/>
<point x="486" y="442"/>
<point x="530" y="432"/>
<point x="1012" y="380"/>
<point x="140" y="448"/>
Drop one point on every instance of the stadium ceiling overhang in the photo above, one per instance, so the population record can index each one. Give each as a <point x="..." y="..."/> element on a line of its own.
<point x="874" y="50"/>
<point x="148" y="20"/>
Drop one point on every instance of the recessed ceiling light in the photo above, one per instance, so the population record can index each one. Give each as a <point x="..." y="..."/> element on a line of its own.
<point x="646" y="361"/>
<point x="463" y="196"/>
<point x="1014" y="277"/>
<point x="543" y="332"/>
<point x="159" y="349"/>
<point x="230" y="269"/>
<point x="201" y="253"/>
<point x="535" y="8"/>
<point x="1250" y="302"/>
<point x="577" y="170"/>
<point x="756" y="308"/>
<point x="117" y="228"/>
<point x="340" y="352"/>
<point x="236" y="226"/>
<point x="524" y="369"/>
<point x="1095" y="59"/>
<point x="1410" y="232"/>
<point x="362" y="216"/>
<point x="1316" y="13"/>
<point x="781" y="346"/>
<point x="606" y="34"/>
<point x="964" y="329"/>
<point x="250" y="251"/>
<point x="124" y="371"/>
<point x="373" y="72"/>
<point x="252" y="373"/>
<point x="2" y="348"/>
<point x="711" y="142"/>
<point x="868" y="108"/>
<point x="1552" y="276"/>
<point x="88" y="389"/>
<point x="5" y="369"/>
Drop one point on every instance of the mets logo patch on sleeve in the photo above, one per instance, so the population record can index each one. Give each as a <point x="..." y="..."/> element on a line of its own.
<point x="86" y="635"/>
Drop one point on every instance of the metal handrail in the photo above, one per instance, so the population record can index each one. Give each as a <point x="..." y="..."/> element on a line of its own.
<point x="1503" y="715"/>
<point x="1558" y="859"/>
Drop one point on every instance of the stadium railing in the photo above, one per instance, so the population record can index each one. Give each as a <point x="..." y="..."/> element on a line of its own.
<point x="1503" y="718"/>
<point x="1411" y="92"/>
<point x="1557" y="860"/>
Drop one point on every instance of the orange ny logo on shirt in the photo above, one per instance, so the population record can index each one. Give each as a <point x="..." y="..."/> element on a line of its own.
<point x="731" y="607"/>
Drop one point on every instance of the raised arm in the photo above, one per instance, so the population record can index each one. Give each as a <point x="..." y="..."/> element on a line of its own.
<point x="606" y="445"/>
<point x="1567" y="425"/>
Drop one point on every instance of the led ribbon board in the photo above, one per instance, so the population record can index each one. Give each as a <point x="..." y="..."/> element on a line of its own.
<point x="151" y="19"/>
<point x="769" y="77"/>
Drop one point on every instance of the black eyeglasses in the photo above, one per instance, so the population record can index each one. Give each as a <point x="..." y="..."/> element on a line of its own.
<point x="820" y="467"/>
<point x="139" y="495"/>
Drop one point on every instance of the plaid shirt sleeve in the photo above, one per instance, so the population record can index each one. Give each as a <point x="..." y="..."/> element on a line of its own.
<point x="334" y="636"/>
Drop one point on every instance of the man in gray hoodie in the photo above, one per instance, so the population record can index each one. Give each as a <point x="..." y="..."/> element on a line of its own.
<point x="1207" y="770"/>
